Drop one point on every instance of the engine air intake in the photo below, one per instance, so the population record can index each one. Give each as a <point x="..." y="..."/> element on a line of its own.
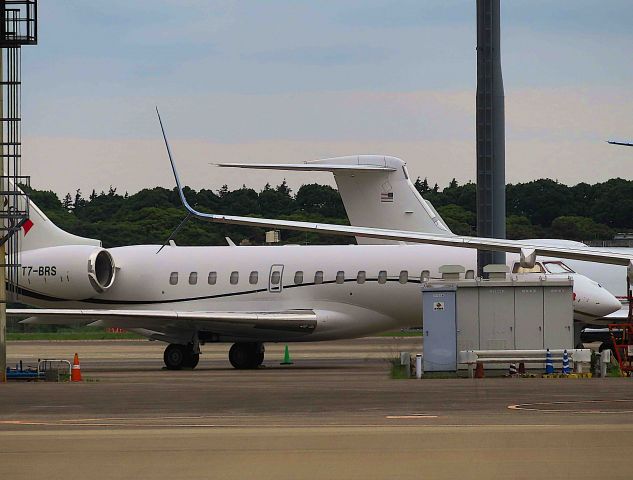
<point x="101" y="270"/>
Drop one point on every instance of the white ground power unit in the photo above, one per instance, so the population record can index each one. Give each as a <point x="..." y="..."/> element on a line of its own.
<point x="503" y="313"/>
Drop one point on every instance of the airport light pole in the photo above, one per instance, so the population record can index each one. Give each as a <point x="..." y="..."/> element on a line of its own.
<point x="491" y="196"/>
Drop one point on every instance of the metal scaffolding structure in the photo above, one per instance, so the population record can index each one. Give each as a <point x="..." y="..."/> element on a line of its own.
<point x="18" y="26"/>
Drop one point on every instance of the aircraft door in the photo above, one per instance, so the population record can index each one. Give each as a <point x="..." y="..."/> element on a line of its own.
<point x="275" y="284"/>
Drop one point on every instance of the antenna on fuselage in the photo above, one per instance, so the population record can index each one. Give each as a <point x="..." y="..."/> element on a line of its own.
<point x="175" y="232"/>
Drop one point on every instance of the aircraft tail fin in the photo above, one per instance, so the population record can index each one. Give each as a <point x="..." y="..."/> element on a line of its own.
<point x="39" y="231"/>
<point x="376" y="191"/>
<point x="385" y="200"/>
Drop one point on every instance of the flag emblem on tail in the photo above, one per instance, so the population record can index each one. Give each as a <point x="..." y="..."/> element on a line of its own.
<point x="27" y="226"/>
<point x="386" y="197"/>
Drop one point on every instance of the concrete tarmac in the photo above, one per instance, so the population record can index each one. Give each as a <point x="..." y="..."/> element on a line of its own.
<point x="334" y="414"/>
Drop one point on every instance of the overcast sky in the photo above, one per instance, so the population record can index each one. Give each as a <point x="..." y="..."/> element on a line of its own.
<point x="289" y="81"/>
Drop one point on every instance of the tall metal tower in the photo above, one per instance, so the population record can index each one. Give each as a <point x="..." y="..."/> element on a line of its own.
<point x="491" y="193"/>
<point x="18" y="26"/>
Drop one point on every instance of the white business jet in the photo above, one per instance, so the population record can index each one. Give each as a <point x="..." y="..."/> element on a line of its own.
<point x="248" y="296"/>
<point x="377" y="192"/>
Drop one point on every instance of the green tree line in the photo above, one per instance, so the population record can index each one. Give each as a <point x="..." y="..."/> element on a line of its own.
<point x="538" y="209"/>
<point x="542" y="208"/>
<point x="151" y="215"/>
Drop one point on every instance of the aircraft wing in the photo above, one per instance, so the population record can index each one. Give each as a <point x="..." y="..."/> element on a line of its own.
<point x="297" y="321"/>
<point x="624" y="144"/>
<point x="527" y="249"/>
<point x="524" y="248"/>
<point x="618" y="316"/>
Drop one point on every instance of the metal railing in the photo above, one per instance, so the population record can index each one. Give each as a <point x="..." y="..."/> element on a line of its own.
<point x="577" y="356"/>
<point x="18" y="25"/>
<point x="48" y="366"/>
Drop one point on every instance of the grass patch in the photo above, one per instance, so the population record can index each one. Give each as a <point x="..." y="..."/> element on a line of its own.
<point x="613" y="370"/>
<point x="397" y="371"/>
<point x="72" y="335"/>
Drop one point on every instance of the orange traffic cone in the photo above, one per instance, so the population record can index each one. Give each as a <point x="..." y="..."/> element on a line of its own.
<point x="479" y="370"/>
<point x="75" y="373"/>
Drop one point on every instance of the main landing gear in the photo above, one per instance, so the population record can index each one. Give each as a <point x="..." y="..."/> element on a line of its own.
<point x="178" y="356"/>
<point x="246" y="355"/>
<point x="243" y="355"/>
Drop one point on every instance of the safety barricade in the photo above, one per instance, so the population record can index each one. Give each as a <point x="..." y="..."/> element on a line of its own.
<point x="577" y="357"/>
<point x="50" y="369"/>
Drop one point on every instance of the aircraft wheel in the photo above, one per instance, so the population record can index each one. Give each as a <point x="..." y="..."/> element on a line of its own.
<point x="191" y="359"/>
<point x="258" y="355"/>
<point x="246" y="355"/>
<point x="175" y="356"/>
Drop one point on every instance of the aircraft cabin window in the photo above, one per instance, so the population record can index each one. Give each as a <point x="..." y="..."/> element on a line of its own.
<point x="318" y="277"/>
<point x="173" y="278"/>
<point x="537" y="268"/>
<point x="253" y="278"/>
<point x="404" y="277"/>
<point x="361" y="277"/>
<point x="193" y="278"/>
<point x="340" y="276"/>
<point x="275" y="277"/>
<point x="298" y="277"/>
<point x="382" y="277"/>
<point x="235" y="276"/>
<point x="213" y="277"/>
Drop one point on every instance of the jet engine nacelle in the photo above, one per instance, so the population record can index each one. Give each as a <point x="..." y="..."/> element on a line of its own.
<point x="70" y="272"/>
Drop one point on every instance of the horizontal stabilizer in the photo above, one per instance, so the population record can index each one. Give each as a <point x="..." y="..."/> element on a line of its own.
<point x="309" y="167"/>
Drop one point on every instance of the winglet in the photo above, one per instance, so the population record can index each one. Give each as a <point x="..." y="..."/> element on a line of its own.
<point x="173" y="167"/>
